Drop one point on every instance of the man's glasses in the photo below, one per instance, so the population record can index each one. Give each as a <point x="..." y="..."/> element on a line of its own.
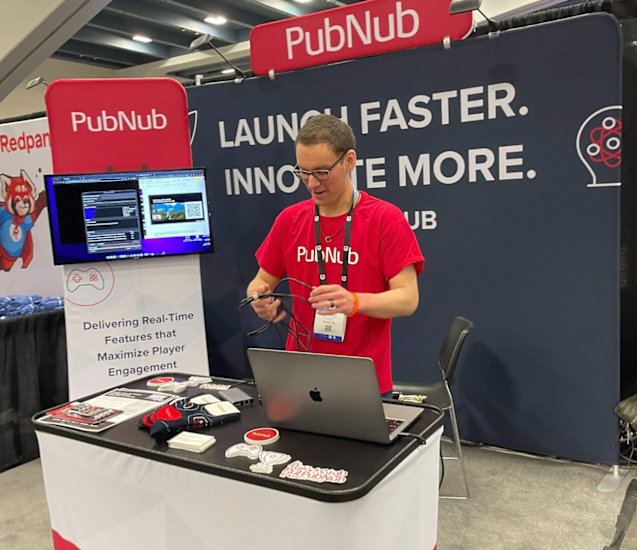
<point x="320" y="175"/>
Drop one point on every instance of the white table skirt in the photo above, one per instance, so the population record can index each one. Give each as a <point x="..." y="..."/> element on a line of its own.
<point x="100" y="499"/>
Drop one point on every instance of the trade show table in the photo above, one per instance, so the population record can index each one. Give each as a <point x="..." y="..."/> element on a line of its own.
<point x="121" y="489"/>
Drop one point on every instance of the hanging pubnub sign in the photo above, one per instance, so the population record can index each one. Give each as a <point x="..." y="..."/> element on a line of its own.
<point x="367" y="28"/>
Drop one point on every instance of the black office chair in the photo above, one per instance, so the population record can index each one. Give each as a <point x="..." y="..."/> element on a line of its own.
<point x="438" y="393"/>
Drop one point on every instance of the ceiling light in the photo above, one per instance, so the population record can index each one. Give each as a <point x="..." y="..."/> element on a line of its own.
<point x="228" y="71"/>
<point x="144" y="39"/>
<point x="216" y="20"/>
<point x="302" y="1"/>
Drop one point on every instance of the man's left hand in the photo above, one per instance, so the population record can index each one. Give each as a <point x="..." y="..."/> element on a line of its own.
<point x="330" y="299"/>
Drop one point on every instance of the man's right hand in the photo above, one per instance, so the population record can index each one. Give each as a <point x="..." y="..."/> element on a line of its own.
<point x="267" y="308"/>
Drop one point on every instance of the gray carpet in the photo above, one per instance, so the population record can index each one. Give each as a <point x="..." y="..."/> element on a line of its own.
<point x="518" y="503"/>
<point x="524" y="503"/>
<point x="24" y="517"/>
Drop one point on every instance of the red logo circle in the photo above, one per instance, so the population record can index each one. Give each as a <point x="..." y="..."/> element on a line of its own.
<point x="261" y="436"/>
<point x="160" y="381"/>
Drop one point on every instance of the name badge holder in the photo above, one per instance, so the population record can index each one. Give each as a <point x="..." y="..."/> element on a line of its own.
<point x="332" y="327"/>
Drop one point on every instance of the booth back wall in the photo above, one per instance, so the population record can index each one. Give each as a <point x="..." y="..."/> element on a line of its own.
<point x="517" y="218"/>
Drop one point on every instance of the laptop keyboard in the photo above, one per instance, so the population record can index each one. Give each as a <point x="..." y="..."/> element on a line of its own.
<point x="393" y="423"/>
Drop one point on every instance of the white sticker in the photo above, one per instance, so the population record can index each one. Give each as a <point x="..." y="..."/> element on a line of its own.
<point x="298" y="470"/>
<point x="204" y="399"/>
<point x="200" y="379"/>
<point x="260" y="468"/>
<point x="330" y="327"/>
<point x="242" y="449"/>
<point x="221" y="409"/>
<point x="217" y="387"/>
<point x="175" y="387"/>
<point x="267" y="460"/>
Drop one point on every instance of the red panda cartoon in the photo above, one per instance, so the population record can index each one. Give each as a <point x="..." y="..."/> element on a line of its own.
<point x="18" y="213"/>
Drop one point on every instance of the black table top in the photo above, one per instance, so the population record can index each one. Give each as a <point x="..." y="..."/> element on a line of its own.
<point x="367" y="463"/>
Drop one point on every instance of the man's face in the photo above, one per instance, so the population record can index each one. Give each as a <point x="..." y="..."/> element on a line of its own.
<point x="322" y="157"/>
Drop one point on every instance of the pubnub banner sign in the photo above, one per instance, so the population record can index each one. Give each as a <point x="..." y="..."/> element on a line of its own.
<point x="130" y="318"/>
<point x="26" y="261"/>
<point x="509" y="176"/>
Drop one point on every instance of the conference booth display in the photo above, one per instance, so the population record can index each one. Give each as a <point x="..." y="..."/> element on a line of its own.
<point x="511" y="180"/>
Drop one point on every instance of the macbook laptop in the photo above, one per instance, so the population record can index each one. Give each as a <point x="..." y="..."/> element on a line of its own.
<point x="326" y="394"/>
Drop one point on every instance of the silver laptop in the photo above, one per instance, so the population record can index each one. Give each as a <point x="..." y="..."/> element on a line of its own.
<point x="326" y="394"/>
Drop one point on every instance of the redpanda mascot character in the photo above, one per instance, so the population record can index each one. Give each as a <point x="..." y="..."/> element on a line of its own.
<point x="18" y="213"/>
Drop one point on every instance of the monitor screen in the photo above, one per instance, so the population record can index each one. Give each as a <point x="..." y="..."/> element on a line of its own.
<point x="120" y="215"/>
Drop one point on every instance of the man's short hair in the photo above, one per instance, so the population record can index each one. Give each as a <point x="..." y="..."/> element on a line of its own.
<point x="327" y="129"/>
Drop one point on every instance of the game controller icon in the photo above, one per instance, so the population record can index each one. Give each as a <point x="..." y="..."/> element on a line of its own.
<point x="84" y="277"/>
<point x="242" y="449"/>
<point x="599" y="146"/>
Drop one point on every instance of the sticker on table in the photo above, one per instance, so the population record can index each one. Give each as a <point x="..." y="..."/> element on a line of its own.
<point x="267" y="461"/>
<point x="241" y="449"/>
<point x="175" y="387"/>
<point x="156" y="382"/>
<point x="261" y="436"/>
<point x="298" y="470"/>
<point x="215" y="387"/>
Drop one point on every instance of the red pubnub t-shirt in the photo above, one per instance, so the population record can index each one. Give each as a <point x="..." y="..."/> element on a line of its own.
<point x="382" y="245"/>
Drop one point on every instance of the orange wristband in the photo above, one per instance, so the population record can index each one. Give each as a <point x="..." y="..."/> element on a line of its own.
<point x="355" y="305"/>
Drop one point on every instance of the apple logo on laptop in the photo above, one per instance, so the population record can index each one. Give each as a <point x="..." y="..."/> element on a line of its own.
<point x="315" y="395"/>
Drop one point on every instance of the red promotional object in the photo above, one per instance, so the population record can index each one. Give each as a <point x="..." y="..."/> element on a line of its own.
<point x="156" y="382"/>
<point x="261" y="436"/>
<point x="118" y="123"/>
<point x="359" y="30"/>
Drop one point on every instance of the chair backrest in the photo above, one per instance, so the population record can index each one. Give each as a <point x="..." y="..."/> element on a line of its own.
<point x="451" y="345"/>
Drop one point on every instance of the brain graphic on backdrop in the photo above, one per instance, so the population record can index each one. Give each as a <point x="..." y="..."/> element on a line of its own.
<point x="599" y="145"/>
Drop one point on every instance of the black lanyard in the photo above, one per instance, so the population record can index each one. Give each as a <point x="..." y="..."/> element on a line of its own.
<point x="319" y="247"/>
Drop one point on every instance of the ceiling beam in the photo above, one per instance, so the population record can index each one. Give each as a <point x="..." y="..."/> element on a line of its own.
<point x="126" y="26"/>
<point x="206" y="60"/>
<point x="288" y="8"/>
<point x="232" y="13"/>
<point x="105" y="38"/>
<point x="33" y="31"/>
<point x="115" y="55"/>
<point x="88" y="60"/>
<point x="170" y="18"/>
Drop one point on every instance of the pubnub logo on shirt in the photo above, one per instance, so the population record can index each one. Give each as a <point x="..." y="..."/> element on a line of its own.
<point x="331" y="255"/>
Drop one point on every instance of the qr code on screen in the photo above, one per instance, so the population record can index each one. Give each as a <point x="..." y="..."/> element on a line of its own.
<point x="194" y="210"/>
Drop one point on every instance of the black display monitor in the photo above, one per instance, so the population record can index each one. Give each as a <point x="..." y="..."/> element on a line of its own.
<point x="121" y="215"/>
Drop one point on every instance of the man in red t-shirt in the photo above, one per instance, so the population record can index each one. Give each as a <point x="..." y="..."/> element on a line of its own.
<point x="384" y="256"/>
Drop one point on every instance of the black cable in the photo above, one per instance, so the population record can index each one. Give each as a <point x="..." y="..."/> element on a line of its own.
<point x="256" y="297"/>
<point x="442" y="469"/>
<point x="276" y="328"/>
<point x="280" y="296"/>
<point x="420" y="438"/>
<point x="237" y="69"/>
<point x="286" y="279"/>
<point x="292" y="329"/>
<point x="242" y="382"/>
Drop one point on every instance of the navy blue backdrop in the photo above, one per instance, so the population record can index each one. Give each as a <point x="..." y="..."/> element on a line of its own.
<point x="527" y="248"/>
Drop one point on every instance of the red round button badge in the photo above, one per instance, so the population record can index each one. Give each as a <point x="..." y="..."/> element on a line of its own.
<point x="261" y="436"/>
<point x="159" y="381"/>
